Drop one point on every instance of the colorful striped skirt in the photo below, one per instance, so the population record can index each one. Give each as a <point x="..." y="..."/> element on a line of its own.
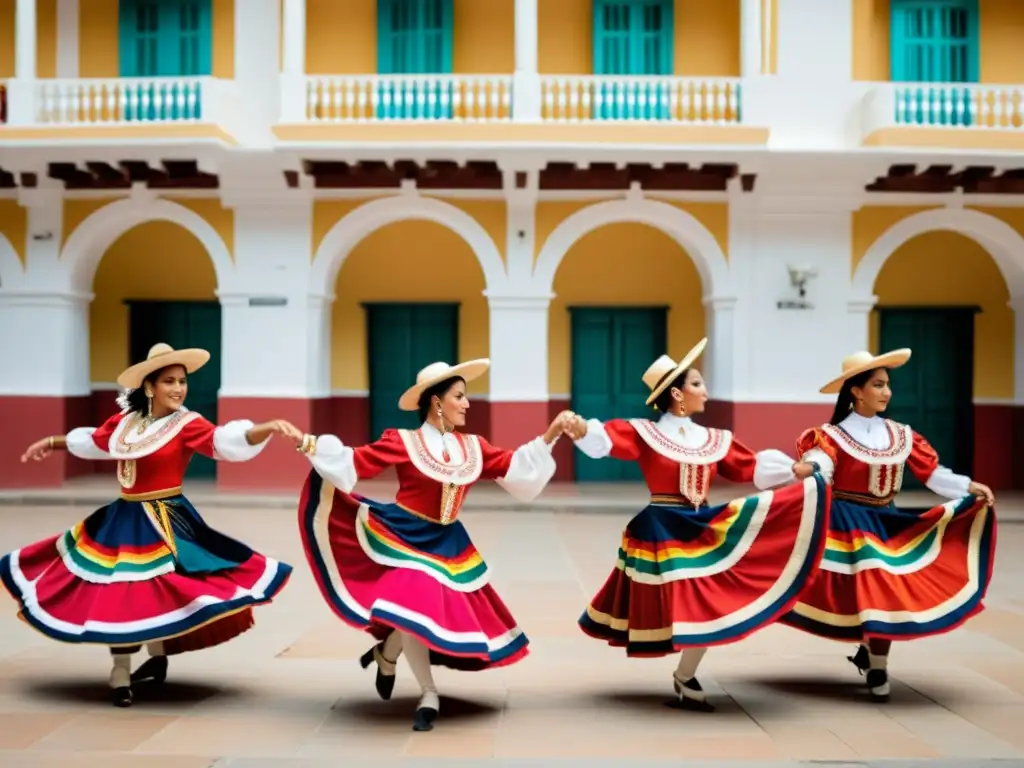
<point x="137" y="572"/>
<point x="899" y="575"/>
<point x="701" y="577"/>
<point x="381" y="568"/>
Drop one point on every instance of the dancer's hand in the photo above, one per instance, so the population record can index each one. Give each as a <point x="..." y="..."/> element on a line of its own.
<point x="38" y="451"/>
<point x="285" y="429"/>
<point x="803" y="470"/>
<point x="577" y="427"/>
<point x="558" y="426"/>
<point x="982" y="490"/>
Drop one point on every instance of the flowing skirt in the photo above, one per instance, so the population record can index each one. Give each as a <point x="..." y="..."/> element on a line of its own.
<point x="382" y="568"/>
<point x="701" y="577"/>
<point x="141" y="571"/>
<point x="899" y="575"/>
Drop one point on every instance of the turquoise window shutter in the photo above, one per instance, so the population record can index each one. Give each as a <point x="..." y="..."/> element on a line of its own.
<point x="633" y="37"/>
<point x="414" y="37"/>
<point x="934" y="41"/>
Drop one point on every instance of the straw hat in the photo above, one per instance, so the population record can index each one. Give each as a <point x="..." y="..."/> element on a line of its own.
<point x="859" y="362"/>
<point x="435" y="373"/>
<point x="665" y="370"/>
<point x="160" y="356"/>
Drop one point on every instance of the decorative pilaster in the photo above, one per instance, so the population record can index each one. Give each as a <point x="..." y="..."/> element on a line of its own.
<point x="526" y="105"/>
<point x="751" y="32"/>
<point x="257" y="80"/>
<point x="21" y="101"/>
<point x="67" y="38"/>
<point x="293" y="95"/>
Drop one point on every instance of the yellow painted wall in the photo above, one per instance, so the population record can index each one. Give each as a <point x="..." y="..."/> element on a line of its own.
<point x="1001" y="31"/>
<point x="14" y="226"/>
<point x="707" y="37"/>
<point x="594" y="272"/>
<point x="341" y="38"/>
<point x="98" y="38"/>
<point x="135" y="267"/>
<point x="46" y="38"/>
<point x="408" y="261"/>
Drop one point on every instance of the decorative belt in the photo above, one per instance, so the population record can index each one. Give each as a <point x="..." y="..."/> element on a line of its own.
<point x="864" y="498"/>
<point x="166" y="493"/>
<point x="670" y="500"/>
<point x="426" y="517"/>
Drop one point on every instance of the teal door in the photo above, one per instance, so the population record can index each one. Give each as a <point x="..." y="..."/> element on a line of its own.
<point x="934" y="41"/>
<point x="183" y="324"/>
<point x="633" y="37"/>
<point x="414" y="37"/>
<point x="934" y="391"/>
<point x="401" y="340"/>
<point x="611" y="349"/>
<point x="165" y="38"/>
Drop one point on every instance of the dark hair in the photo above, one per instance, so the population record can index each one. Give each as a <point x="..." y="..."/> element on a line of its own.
<point x="844" y="403"/>
<point x="664" y="401"/>
<point x="440" y="389"/>
<point x="137" y="400"/>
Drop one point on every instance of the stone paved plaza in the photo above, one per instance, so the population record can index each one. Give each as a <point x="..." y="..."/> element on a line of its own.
<point x="290" y="693"/>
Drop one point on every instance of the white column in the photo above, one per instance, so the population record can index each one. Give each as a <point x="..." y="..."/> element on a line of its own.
<point x="1017" y="304"/>
<point x="751" y="31"/>
<point x="257" y="82"/>
<point x="49" y="354"/>
<point x="67" y="38"/>
<point x="526" y="81"/>
<point x="519" y="348"/>
<point x="293" y="93"/>
<point x="719" y="363"/>
<point x="45" y="224"/>
<point x="21" y="108"/>
<point x="813" y="31"/>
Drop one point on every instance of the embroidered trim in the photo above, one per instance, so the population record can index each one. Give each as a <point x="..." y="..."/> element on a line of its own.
<point x="712" y="452"/>
<point x="901" y="443"/>
<point x="153" y="439"/>
<point x="466" y="473"/>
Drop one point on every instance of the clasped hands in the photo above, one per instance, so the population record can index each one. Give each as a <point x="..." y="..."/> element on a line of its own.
<point x="566" y="423"/>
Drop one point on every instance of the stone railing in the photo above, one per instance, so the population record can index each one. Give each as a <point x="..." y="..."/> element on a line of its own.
<point x="962" y="106"/>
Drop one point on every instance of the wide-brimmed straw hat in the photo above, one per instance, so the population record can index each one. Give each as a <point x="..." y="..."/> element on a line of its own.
<point x="160" y="356"/>
<point x="435" y="373"/>
<point x="665" y="370"/>
<point x="859" y="362"/>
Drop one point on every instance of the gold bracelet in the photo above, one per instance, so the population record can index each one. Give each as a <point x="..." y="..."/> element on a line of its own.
<point x="50" y="441"/>
<point x="308" y="446"/>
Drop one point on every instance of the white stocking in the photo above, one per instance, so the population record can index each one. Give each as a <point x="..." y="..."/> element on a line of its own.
<point x="418" y="656"/>
<point x="156" y="649"/>
<point x="689" y="660"/>
<point x="121" y="672"/>
<point x="387" y="656"/>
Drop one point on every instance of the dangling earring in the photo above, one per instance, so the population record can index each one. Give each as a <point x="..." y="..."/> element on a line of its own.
<point x="148" y="419"/>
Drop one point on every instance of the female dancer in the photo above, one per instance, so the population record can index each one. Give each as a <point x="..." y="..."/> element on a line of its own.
<point x="690" y="575"/>
<point x="146" y="568"/>
<point x="888" y="574"/>
<point x="407" y="572"/>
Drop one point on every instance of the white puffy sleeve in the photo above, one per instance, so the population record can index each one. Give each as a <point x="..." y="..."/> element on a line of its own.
<point x="80" y="443"/>
<point x="230" y="444"/>
<point x="530" y="470"/>
<point x="824" y="462"/>
<point x="773" y="468"/>
<point x="334" y="462"/>
<point x="596" y="444"/>
<point x="944" y="482"/>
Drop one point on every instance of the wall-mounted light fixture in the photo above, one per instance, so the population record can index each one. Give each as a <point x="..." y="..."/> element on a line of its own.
<point x="798" y="277"/>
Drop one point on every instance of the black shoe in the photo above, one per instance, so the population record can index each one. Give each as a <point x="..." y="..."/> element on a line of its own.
<point x="878" y="685"/>
<point x="385" y="684"/>
<point x="682" y="701"/>
<point x="860" y="659"/>
<point x="122" y="697"/>
<point x="424" y="719"/>
<point x="152" y="670"/>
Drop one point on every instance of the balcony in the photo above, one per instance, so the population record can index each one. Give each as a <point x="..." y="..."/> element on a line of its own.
<point x="192" y="107"/>
<point x="555" y="108"/>
<point x="948" y="115"/>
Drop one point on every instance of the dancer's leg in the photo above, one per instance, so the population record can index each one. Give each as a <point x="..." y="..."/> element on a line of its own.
<point x="154" y="668"/>
<point x="418" y="656"/>
<point x="691" y="695"/>
<point x="878" y="674"/>
<point x="121" y="674"/>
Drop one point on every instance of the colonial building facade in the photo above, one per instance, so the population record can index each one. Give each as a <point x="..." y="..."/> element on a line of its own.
<point x="329" y="195"/>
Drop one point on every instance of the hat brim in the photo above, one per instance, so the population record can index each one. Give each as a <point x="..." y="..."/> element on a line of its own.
<point x="893" y="359"/>
<point x="469" y="370"/>
<point x="685" y="363"/>
<point x="190" y="359"/>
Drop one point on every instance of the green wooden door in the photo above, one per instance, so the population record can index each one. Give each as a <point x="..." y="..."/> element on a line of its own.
<point x="165" y="38"/>
<point x="402" y="339"/>
<point x="183" y="324"/>
<point x="611" y="348"/>
<point x="414" y="37"/>
<point x="934" y="391"/>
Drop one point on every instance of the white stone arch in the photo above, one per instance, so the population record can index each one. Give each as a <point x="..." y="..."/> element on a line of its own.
<point x="11" y="269"/>
<point x="691" y="235"/>
<point x="86" y="246"/>
<point x="1003" y="243"/>
<point x="347" y="233"/>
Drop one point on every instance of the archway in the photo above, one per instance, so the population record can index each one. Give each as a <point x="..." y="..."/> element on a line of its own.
<point x="408" y="294"/>
<point x="612" y="317"/>
<point x="347" y="233"/>
<point x="943" y="281"/>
